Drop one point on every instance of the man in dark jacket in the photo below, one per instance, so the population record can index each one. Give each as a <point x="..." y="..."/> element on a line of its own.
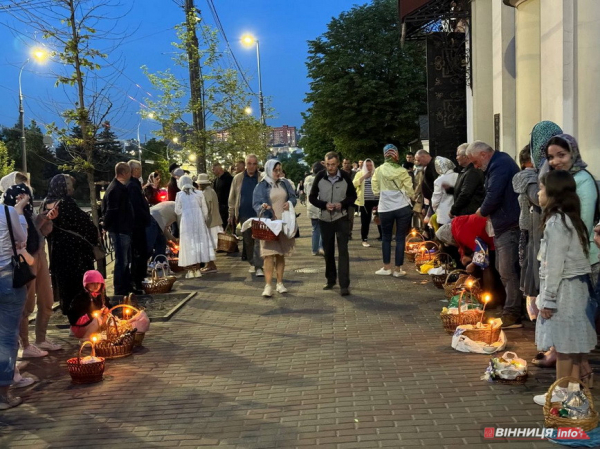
<point x="222" y="186"/>
<point x="333" y="193"/>
<point x="502" y="206"/>
<point x="468" y="191"/>
<point x="118" y="222"/>
<point x="424" y="159"/>
<point x="141" y="220"/>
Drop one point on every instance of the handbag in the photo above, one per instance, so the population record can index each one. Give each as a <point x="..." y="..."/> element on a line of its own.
<point x="98" y="250"/>
<point x="21" y="271"/>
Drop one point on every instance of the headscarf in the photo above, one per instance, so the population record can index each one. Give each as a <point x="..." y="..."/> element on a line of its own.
<point x="390" y="154"/>
<point x="443" y="165"/>
<point x="317" y="167"/>
<point x="444" y="234"/>
<point x="578" y="163"/>
<point x="540" y="135"/>
<point x="10" y="199"/>
<point x="185" y="183"/>
<point x="269" y="175"/>
<point x="58" y="189"/>
<point x="364" y="169"/>
<point x="7" y="181"/>
<point x="93" y="277"/>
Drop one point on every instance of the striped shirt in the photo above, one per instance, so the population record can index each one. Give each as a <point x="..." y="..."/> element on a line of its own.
<point x="369" y="195"/>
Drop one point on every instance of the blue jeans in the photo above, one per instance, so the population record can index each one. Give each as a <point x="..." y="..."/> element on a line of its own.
<point x="317" y="241"/>
<point x="121" y="274"/>
<point x="12" y="302"/>
<point x="402" y="218"/>
<point x="507" y="264"/>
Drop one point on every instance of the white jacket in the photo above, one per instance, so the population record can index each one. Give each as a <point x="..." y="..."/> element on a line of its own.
<point x="440" y="200"/>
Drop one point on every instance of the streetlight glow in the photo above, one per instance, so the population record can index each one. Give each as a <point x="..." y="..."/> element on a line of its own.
<point x="248" y="39"/>
<point x="151" y="115"/>
<point x="248" y="110"/>
<point x="39" y="54"/>
<point x="175" y="139"/>
<point x="192" y="157"/>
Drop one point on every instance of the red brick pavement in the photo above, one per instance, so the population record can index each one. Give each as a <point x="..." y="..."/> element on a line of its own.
<point x="234" y="370"/>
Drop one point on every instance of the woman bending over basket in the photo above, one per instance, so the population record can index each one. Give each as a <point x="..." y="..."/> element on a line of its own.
<point x="567" y="310"/>
<point x="90" y="308"/>
<point x="272" y="196"/>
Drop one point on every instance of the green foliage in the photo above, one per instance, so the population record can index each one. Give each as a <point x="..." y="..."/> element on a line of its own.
<point x="156" y="150"/>
<point x="295" y="169"/>
<point x="7" y="165"/>
<point x="366" y="91"/>
<point x="227" y="133"/>
<point x="41" y="162"/>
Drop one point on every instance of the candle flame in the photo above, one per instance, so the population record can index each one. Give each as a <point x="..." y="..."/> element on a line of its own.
<point x="487" y="297"/>
<point x="94" y="338"/>
<point x="95" y="314"/>
<point x="469" y="284"/>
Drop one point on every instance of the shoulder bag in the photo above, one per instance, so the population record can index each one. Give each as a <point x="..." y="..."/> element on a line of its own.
<point x="98" y="250"/>
<point x="21" y="271"/>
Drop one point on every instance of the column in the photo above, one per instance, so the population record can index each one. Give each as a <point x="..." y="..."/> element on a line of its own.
<point x="527" y="46"/>
<point x="480" y="106"/>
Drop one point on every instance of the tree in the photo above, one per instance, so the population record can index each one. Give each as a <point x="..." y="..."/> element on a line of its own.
<point x="315" y="142"/>
<point x="7" y="165"/>
<point x="157" y="151"/>
<point x="295" y="169"/>
<point x="107" y="152"/>
<point x="227" y="132"/>
<point x="366" y="91"/>
<point x="74" y="28"/>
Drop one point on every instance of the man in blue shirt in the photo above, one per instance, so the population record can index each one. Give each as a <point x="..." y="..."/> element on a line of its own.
<point x="502" y="206"/>
<point x="240" y="209"/>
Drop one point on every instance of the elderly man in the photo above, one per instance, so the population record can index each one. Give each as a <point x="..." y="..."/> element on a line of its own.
<point x="118" y="222"/>
<point x="502" y="206"/>
<point x="468" y="191"/>
<point x="141" y="220"/>
<point x="240" y="209"/>
<point x="222" y="187"/>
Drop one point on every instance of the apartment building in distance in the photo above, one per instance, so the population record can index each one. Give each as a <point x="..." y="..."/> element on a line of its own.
<point x="283" y="136"/>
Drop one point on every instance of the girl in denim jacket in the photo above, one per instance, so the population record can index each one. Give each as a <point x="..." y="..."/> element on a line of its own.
<point x="567" y="310"/>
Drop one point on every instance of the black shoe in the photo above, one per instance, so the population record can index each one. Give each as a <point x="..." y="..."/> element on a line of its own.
<point x="244" y="258"/>
<point x="511" y="322"/>
<point x="328" y="286"/>
<point x="344" y="292"/>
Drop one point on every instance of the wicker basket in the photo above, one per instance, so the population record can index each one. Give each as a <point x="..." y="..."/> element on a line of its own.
<point x="227" y="241"/>
<point x="486" y="333"/>
<point x="450" y="321"/>
<point x="470" y="283"/>
<point x="447" y="262"/>
<point x="260" y="231"/>
<point x="158" y="284"/>
<point x="519" y="380"/>
<point x="412" y="245"/>
<point x="113" y="334"/>
<point x="555" y="421"/>
<point x="85" y="373"/>
<point x="451" y="278"/>
<point x="427" y="253"/>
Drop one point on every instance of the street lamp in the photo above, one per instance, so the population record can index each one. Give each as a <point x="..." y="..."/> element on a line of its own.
<point x="39" y="55"/>
<point x="150" y="115"/>
<point x="248" y="110"/>
<point x="249" y="40"/>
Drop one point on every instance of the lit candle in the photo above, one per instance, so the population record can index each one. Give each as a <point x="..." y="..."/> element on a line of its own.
<point x="486" y="298"/>
<point x="469" y="284"/>
<point x="127" y="311"/>
<point x="96" y="314"/>
<point x="94" y="340"/>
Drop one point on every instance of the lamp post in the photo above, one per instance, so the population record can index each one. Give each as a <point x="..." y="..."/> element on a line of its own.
<point x="249" y="40"/>
<point x="39" y="55"/>
<point x="150" y="116"/>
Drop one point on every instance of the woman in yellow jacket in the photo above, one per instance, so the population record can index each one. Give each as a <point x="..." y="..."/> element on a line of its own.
<point x="394" y="186"/>
<point x="366" y="200"/>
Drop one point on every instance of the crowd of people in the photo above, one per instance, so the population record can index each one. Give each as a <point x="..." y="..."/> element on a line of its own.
<point x="536" y="221"/>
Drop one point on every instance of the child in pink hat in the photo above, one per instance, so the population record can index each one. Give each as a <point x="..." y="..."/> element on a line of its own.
<point x="92" y="299"/>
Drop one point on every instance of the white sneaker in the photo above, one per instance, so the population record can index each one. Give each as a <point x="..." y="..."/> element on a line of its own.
<point x="197" y="274"/>
<point x="33" y="351"/>
<point x="268" y="291"/>
<point x="366" y="244"/>
<point x="252" y="270"/>
<point x="22" y="382"/>
<point x="189" y="275"/>
<point x="399" y="273"/>
<point x="383" y="272"/>
<point x="280" y="288"/>
<point x="558" y="395"/>
<point x="49" y="346"/>
<point x="259" y="273"/>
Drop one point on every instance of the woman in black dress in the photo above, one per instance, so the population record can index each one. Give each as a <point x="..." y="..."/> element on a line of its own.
<point x="70" y="242"/>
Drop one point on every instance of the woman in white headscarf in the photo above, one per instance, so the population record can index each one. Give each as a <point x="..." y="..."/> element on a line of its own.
<point x="441" y="200"/>
<point x="366" y="200"/>
<point x="195" y="244"/>
<point x="272" y="196"/>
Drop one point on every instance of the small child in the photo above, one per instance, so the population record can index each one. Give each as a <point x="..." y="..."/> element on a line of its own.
<point x="567" y="309"/>
<point x="92" y="299"/>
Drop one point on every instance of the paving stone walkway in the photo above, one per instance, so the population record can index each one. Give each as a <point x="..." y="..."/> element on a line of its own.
<point x="308" y="369"/>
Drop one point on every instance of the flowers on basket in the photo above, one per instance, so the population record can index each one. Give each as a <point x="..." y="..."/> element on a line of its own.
<point x="505" y="368"/>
